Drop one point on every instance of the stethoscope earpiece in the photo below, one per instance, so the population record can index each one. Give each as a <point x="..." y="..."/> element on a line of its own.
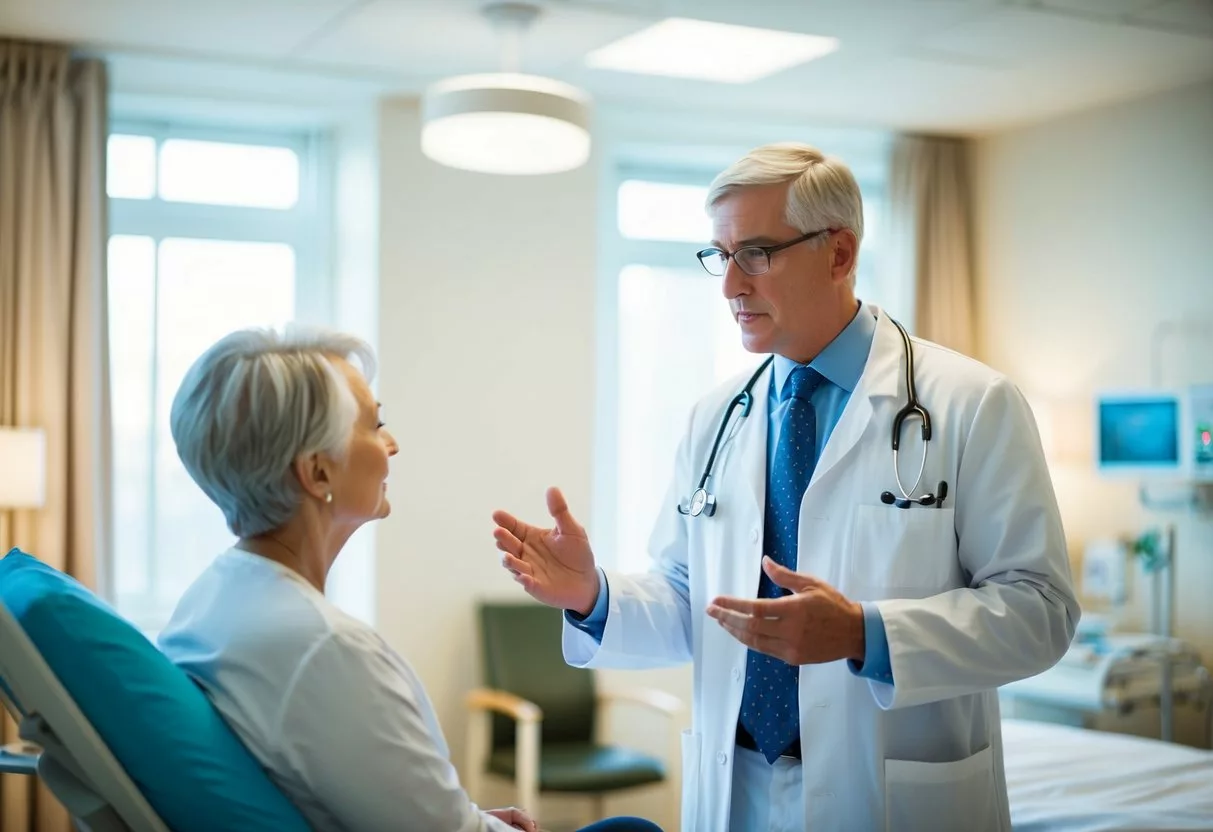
<point x="913" y="409"/>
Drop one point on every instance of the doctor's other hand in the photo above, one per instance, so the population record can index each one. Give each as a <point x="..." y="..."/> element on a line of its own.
<point x="515" y="818"/>
<point x="813" y="625"/>
<point x="555" y="566"/>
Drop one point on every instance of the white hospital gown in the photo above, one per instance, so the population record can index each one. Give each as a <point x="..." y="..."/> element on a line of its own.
<point x="339" y="720"/>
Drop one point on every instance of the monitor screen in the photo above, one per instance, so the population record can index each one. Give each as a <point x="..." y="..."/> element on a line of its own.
<point x="1142" y="432"/>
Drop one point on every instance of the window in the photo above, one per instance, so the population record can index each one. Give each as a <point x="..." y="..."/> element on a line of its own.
<point x="670" y="340"/>
<point x="210" y="232"/>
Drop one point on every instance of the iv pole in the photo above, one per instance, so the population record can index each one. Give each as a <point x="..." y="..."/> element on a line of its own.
<point x="1163" y="585"/>
<point x="1164" y="625"/>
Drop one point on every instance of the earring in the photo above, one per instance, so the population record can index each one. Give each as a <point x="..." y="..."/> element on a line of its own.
<point x="328" y="496"/>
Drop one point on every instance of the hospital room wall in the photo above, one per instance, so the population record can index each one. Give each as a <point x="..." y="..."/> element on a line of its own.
<point x="486" y="340"/>
<point x="1093" y="230"/>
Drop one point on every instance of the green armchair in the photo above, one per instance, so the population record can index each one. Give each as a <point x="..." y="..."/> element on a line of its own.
<point x="538" y="721"/>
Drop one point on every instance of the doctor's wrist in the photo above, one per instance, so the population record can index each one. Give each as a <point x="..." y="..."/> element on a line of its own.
<point x="583" y="608"/>
<point x="857" y="639"/>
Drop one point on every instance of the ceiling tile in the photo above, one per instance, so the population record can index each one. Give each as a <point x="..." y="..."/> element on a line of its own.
<point x="1100" y="8"/>
<point x="254" y="28"/>
<point x="436" y="40"/>
<point x="1185" y="15"/>
<point x="1016" y="37"/>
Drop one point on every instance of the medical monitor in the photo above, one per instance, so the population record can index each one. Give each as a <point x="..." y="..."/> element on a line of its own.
<point x="1164" y="433"/>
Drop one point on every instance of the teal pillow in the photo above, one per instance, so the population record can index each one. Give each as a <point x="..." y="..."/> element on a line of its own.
<point x="163" y="730"/>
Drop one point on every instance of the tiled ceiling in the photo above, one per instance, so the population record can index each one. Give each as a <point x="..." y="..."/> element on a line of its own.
<point x="968" y="66"/>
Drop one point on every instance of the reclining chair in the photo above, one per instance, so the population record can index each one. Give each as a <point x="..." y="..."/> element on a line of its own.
<point x="127" y="742"/>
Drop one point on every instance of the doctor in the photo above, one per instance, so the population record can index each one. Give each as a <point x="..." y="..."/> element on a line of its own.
<point x="849" y="616"/>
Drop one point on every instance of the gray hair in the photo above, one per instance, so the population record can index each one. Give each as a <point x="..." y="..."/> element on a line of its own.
<point x="823" y="192"/>
<point x="253" y="403"/>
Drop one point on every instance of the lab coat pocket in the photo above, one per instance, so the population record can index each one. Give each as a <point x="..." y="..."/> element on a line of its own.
<point x="941" y="796"/>
<point x="901" y="553"/>
<point x="690" y="780"/>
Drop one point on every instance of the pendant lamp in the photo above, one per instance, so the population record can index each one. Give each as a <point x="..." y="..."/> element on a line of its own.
<point x="506" y="122"/>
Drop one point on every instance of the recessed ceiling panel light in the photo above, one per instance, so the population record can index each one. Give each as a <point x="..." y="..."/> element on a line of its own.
<point x="684" y="48"/>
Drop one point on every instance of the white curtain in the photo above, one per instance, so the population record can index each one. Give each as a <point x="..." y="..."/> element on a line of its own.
<point x="931" y="238"/>
<point x="53" y="356"/>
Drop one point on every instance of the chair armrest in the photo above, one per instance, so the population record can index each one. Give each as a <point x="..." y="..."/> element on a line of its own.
<point x="528" y="716"/>
<point x="669" y="706"/>
<point x="503" y="702"/>
<point x="650" y="698"/>
<point x="19" y="758"/>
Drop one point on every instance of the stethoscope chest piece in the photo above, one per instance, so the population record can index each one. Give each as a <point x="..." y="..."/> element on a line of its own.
<point x="702" y="503"/>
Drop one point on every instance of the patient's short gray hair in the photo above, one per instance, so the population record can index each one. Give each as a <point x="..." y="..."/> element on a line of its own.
<point x="823" y="192"/>
<point x="253" y="403"/>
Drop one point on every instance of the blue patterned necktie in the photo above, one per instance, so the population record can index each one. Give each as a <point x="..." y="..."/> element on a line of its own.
<point x="770" y="703"/>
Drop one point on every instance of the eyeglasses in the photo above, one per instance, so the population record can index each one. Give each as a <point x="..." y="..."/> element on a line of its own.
<point x="753" y="260"/>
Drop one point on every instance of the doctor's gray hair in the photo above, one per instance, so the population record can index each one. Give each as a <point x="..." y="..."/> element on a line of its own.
<point x="823" y="192"/>
<point x="252" y="404"/>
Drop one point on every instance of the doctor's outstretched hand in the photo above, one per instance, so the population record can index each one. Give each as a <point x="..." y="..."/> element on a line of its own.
<point x="813" y="625"/>
<point x="555" y="566"/>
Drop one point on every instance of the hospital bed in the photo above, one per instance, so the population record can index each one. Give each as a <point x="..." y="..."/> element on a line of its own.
<point x="1062" y="778"/>
<point x="1118" y="674"/>
<point x="123" y="738"/>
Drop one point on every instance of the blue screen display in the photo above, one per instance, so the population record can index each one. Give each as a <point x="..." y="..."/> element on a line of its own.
<point x="1139" y="432"/>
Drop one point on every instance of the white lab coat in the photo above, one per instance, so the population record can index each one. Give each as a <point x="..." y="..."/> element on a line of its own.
<point x="973" y="595"/>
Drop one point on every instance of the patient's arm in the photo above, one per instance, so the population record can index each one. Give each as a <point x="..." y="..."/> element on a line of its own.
<point x="357" y="727"/>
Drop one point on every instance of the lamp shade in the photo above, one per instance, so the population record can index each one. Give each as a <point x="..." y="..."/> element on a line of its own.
<point x="22" y="468"/>
<point x="506" y="123"/>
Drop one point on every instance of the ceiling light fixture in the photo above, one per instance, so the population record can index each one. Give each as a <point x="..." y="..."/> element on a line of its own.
<point x="507" y="122"/>
<point x="684" y="48"/>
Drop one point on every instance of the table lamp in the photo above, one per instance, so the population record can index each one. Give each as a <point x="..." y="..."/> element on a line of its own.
<point x="22" y="485"/>
<point x="22" y="468"/>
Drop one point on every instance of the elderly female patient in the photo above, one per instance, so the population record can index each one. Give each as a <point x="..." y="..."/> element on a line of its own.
<point x="283" y="433"/>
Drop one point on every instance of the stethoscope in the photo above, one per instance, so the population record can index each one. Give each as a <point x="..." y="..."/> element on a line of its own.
<point x="703" y="501"/>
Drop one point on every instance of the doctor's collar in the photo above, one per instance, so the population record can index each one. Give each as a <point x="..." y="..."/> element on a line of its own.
<point x="843" y="359"/>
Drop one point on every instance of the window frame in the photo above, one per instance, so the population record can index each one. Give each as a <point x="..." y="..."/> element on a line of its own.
<point x="306" y="227"/>
<point x="616" y="253"/>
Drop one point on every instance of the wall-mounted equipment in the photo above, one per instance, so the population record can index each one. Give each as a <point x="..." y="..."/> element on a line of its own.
<point x="1156" y="433"/>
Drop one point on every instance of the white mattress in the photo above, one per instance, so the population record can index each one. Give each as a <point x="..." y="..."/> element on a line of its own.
<point x="1067" y="779"/>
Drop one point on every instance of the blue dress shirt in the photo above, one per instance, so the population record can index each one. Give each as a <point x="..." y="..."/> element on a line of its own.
<point x="841" y="363"/>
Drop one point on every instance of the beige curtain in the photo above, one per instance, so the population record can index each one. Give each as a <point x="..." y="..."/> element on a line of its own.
<point x="931" y="238"/>
<point x="53" y="357"/>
